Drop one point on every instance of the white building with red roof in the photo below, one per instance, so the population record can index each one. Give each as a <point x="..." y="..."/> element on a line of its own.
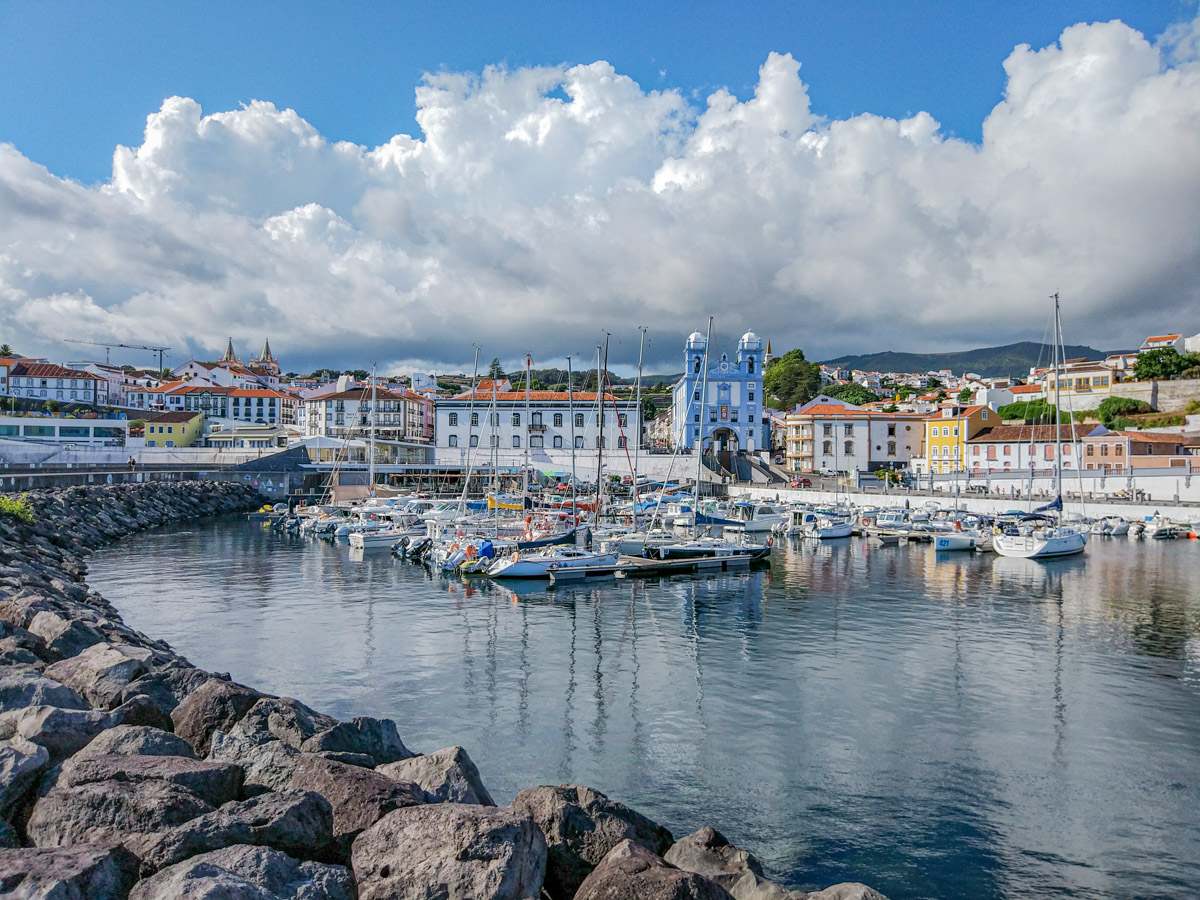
<point x="829" y="434"/>
<point x="38" y="380"/>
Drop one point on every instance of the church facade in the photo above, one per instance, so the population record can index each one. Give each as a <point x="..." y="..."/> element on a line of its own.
<point x="720" y="408"/>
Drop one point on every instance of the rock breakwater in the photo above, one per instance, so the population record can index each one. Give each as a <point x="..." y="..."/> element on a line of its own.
<point x="127" y="772"/>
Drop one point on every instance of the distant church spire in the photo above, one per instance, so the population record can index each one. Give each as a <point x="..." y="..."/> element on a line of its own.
<point x="229" y="357"/>
<point x="266" y="351"/>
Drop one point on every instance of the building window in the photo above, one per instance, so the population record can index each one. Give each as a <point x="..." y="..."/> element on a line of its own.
<point x="579" y="442"/>
<point x="697" y="368"/>
<point x="558" y="441"/>
<point x="474" y="418"/>
<point x="453" y="440"/>
<point x="827" y="429"/>
<point x="621" y="442"/>
<point x="733" y="415"/>
<point x="495" y="440"/>
<point x="516" y="418"/>
<point x="453" y="419"/>
<point x="623" y="420"/>
<point x="558" y="420"/>
<point x="695" y="395"/>
<point x="891" y="431"/>
<point x="535" y="419"/>
<point x="891" y="448"/>
<point x="696" y="417"/>
<point x="516" y="440"/>
<point x="578" y="420"/>
<point x="1103" y="450"/>
<point x="474" y="440"/>
<point x="827" y="447"/>
<point x="712" y="415"/>
<point x="495" y="419"/>
<point x="602" y="443"/>
<point x="848" y="430"/>
<point x="750" y="397"/>
<point x="535" y="441"/>
<point x="848" y="448"/>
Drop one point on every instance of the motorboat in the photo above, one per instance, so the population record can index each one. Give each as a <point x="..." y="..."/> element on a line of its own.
<point x="541" y="563"/>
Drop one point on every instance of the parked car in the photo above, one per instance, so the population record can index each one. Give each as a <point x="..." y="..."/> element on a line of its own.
<point x="801" y="483"/>
<point x="778" y="460"/>
<point x="828" y="473"/>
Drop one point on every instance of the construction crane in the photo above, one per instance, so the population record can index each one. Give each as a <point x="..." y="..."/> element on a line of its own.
<point x="108" y="347"/>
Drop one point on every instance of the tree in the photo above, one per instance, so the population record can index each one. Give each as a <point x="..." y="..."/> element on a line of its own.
<point x="1113" y="408"/>
<point x="1039" y="411"/>
<point x="852" y="393"/>
<point x="51" y="406"/>
<point x="5" y="350"/>
<point x="790" y="380"/>
<point x="649" y="410"/>
<point x="495" y="371"/>
<point x="965" y="394"/>
<point x="1164" y="363"/>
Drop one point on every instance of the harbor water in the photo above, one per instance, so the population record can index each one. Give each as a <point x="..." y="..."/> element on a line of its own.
<point x="936" y="725"/>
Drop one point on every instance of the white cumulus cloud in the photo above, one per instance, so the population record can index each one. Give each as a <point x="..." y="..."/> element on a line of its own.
<point x="542" y="206"/>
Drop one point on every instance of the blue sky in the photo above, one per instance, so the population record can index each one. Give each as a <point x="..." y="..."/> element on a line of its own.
<point x="394" y="182"/>
<point x="78" y="78"/>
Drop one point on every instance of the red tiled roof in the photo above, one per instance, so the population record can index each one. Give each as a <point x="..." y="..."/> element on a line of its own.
<point x="1152" y="437"/>
<point x="1162" y="337"/>
<point x="49" y="370"/>
<point x="1026" y="388"/>
<point x="257" y="392"/>
<point x="1016" y="434"/>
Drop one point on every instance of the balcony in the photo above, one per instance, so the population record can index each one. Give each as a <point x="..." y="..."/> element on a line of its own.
<point x="536" y="427"/>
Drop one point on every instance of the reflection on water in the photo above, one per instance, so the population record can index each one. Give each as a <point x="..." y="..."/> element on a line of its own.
<point x="938" y="725"/>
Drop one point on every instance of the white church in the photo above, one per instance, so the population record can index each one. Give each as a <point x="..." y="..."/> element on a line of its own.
<point x="723" y="411"/>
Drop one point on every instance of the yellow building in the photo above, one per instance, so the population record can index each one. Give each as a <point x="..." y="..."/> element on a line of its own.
<point x="175" y="429"/>
<point x="947" y="433"/>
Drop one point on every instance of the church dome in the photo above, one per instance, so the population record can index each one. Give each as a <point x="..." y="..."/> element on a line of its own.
<point x="696" y="339"/>
<point x="750" y="338"/>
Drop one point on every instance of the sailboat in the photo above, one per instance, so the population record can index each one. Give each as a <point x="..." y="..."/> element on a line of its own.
<point x="1045" y="536"/>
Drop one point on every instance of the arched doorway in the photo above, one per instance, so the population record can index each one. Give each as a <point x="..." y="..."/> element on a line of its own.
<point x="723" y="444"/>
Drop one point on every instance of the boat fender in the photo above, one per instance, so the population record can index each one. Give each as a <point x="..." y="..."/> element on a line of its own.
<point x="958" y="526"/>
<point x="470" y="551"/>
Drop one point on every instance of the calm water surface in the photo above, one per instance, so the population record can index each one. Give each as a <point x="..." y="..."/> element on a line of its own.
<point x="935" y="725"/>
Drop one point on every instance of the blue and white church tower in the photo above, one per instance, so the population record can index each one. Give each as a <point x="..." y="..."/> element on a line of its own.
<point x="723" y="410"/>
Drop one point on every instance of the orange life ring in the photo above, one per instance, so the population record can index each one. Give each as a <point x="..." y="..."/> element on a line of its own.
<point x="528" y="535"/>
<point x="453" y="547"/>
<point x="866" y="521"/>
<point x="470" y="551"/>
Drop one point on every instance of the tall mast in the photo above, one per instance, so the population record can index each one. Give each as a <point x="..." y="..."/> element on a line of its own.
<point x="637" y="417"/>
<point x="599" y="438"/>
<point x="526" y="468"/>
<point x="371" y="449"/>
<point x="571" y="413"/>
<point x="462" y="503"/>
<point x="700" y="437"/>
<point x="1057" y="408"/>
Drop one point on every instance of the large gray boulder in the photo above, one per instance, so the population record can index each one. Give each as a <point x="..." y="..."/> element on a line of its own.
<point x="847" y="890"/>
<point x="214" y="782"/>
<point x="14" y="653"/>
<point x="214" y="706"/>
<point x="450" y="850"/>
<point x="376" y="738"/>
<point x="135" y="740"/>
<point x="631" y="871"/>
<point x="64" y="635"/>
<point x="110" y="812"/>
<point x="246" y="873"/>
<point x="281" y="719"/>
<point x="166" y="687"/>
<point x="268" y="766"/>
<point x="359" y="797"/>
<point x="447" y="775"/>
<point x="22" y="686"/>
<point x="82" y="872"/>
<point x="298" y="823"/>
<point x="102" y="671"/>
<point x="21" y="762"/>
<point x="581" y="827"/>
<point x="706" y="852"/>
<point x="61" y="731"/>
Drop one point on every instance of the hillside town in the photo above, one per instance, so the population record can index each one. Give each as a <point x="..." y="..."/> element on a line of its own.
<point x="852" y="423"/>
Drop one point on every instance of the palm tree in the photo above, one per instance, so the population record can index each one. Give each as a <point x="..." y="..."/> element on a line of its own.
<point x="5" y="350"/>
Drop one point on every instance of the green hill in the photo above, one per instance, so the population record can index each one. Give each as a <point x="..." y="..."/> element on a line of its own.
<point x="1012" y="359"/>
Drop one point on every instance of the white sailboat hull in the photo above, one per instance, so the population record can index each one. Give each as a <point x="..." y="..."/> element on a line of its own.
<point x="1042" y="544"/>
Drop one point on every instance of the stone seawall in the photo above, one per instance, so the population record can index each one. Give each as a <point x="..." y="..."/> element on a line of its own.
<point x="125" y="771"/>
